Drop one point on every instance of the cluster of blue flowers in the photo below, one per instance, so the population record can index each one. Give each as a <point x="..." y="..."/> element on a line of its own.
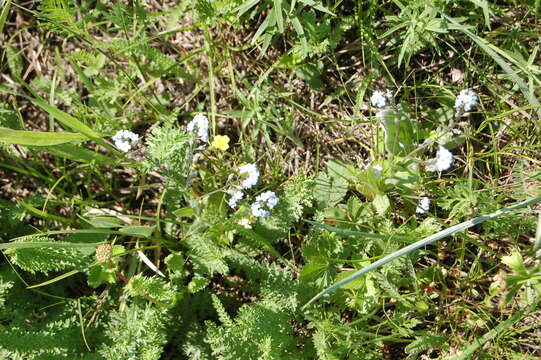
<point x="264" y="203"/>
<point x="381" y="99"/>
<point x="124" y="139"/>
<point x="465" y="101"/>
<point x="245" y="178"/>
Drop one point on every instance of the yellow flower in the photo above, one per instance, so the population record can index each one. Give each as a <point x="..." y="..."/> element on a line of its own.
<point x="220" y="142"/>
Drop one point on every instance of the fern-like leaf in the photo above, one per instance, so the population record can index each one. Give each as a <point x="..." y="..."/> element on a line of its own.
<point x="46" y="259"/>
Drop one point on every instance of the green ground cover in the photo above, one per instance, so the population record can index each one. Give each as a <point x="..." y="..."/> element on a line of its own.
<point x="270" y="179"/>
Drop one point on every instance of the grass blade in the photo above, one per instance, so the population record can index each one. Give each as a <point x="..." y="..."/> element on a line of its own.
<point x="75" y="153"/>
<point x="537" y="244"/>
<point x="149" y="263"/>
<point x="317" y="6"/>
<point x="423" y="242"/>
<point x="58" y="278"/>
<point x="81" y="322"/>
<point x="64" y="118"/>
<point x="37" y="138"/>
<point x="358" y="233"/>
<point x="48" y="244"/>
<point x="4" y="14"/>
<point x="42" y="214"/>
<point x="80" y="231"/>
<point x="245" y="7"/>
<point x="279" y="16"/>
<point x="251" y="235"/>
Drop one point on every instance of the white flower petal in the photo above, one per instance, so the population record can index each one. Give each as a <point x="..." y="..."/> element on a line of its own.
<point x="258" y="212"/>
<point x="123" y="140"/>
<point x="378" y="99"/>
<point x="424" y="205"/>
<point x="249" y="174"/>
<point x="442" y="161"/>
<point x="199" y="125"/>
<point x="466" y="100"/>
<point x="236" y="196"/>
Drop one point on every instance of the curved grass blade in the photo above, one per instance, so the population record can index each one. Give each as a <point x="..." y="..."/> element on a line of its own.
<point x="53" y="280"/>
<point x="81" y="322"/>
<point x="423" y="242"/>
<point x="358" y="233"/>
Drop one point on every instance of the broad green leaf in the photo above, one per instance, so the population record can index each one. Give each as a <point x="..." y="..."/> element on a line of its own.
<point x="398" y="131"/>
<point x="329" y="189"/>
<point x="354" y="285"/>
<point x="312" y="271"/>
<point x="187" y="211"/>
<point x="422" y="306"/>
<point x="14" y="60"/>
<point x="367" y="298"/>
<point x="37" y="138"/>
<point x="141" y="231"/>
<point x="198" y="283"/>
<point x="175" y="262"/>
<point x="514" y="261"/>
<point x="381" y="203"/>
<point x="101" y="274"/>
<point x="337" y="168"/>
<point x="104" y="222"/>
<point x="118" y="250"/>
